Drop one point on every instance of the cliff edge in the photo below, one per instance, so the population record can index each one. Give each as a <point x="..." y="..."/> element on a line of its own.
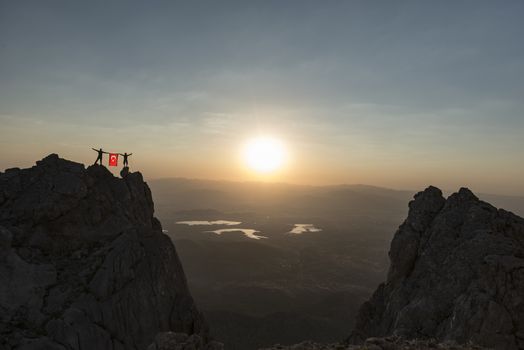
<point x="84" y="263"/>
<point x="456" y="274"/>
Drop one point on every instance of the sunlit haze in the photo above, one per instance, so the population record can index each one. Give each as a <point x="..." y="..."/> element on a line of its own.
<point x="401" y="95"/>
<point x="264" y="154"/>
<point x="262" y="174"/>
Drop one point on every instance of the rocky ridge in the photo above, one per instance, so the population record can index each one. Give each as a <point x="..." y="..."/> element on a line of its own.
<point x="387" y="343"/>
<point x="456" y="273"/>
<point x="84" y="264"/>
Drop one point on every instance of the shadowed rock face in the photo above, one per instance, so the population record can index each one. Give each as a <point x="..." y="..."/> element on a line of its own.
<point x="456" y="273"/>
<point x="84" y="264"/>
<point x="388" y="343"/>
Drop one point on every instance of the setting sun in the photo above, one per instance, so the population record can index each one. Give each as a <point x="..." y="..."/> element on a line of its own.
<point x="264" y="154"/>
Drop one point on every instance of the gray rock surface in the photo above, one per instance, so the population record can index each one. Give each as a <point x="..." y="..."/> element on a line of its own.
<point x="182" y="341"/>
<point x="456" y="273"/>
<point x="387" y="343"/>
<point x="84" y="264"/>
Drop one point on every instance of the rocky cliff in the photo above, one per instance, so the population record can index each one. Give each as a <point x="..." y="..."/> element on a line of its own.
<point x="84" y="264"/>
<point x="456" y="273"/>
<point x="387" y="343"/>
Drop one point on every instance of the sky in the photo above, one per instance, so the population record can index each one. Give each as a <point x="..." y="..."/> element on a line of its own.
<point x="400" y="94"/>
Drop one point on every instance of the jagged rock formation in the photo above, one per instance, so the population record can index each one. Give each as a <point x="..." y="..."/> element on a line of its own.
<point x="456" y="273"/>
<point x="182" y="341"/>
<point x="84" y="264"/>
<point x="389" y="343"/>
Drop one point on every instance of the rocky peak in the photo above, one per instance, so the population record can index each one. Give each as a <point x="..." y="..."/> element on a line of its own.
<point x="456" y="273"/>
<point x="405" y="245"/>
<point x="84" y="264"/>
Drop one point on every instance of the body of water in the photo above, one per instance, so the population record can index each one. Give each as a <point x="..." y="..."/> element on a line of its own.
<point x="209" y="223"/>
<point x="302" y="228"/>
<point x="250" y="233"/>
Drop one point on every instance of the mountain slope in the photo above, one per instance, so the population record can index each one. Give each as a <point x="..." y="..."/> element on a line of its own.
<point x="456" y="273"/>
<point x="84" y="264"/>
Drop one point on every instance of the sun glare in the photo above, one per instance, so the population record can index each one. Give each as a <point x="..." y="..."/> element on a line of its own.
<point x="264" y="154"/>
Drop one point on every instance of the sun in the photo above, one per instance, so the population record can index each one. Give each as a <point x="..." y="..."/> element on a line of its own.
<point x="264" y="154"/>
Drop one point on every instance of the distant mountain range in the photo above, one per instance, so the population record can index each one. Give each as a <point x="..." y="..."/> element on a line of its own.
<point x="183" y="193"/>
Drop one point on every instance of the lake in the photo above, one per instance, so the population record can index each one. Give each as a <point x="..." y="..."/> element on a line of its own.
<point x="250" y="233"/>
<point x="209" y="223"/>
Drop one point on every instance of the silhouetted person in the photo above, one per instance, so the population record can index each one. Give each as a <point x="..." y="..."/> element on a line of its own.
<point x="100" y="154"/>
<point x="125" y="155"/>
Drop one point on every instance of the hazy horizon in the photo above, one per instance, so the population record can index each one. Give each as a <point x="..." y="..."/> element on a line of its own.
<point x="116" y="170"/>
<point x="399" y="95"/>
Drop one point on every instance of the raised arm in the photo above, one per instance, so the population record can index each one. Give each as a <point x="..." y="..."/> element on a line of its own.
<point x="94" y="149"/>
<point x="129" y="154"/>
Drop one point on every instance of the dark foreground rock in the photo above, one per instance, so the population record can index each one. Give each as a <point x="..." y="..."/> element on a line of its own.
<point x="389" y="343"/>
<point x="456" y="273"/>
<point x="182" y="341"/>
<point x="84" y="264"/>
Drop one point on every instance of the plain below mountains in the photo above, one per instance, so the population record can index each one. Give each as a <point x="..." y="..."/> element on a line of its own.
<point x="275" y="290"/>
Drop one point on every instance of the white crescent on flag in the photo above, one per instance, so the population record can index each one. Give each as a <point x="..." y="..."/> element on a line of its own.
<point x="113" y="159"/>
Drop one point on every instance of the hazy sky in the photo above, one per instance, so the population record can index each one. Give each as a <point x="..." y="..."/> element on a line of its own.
<point x="392" y="93"/>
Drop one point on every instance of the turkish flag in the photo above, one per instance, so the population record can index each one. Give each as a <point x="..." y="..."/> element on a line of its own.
<point x="113" y="159"/>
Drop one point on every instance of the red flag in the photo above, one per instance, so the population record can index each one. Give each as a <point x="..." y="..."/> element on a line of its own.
<point x="113" y="159"/>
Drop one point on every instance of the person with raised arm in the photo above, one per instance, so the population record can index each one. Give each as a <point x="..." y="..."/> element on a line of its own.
<point x="125" y="155"/>
<point x="100" y="154"/>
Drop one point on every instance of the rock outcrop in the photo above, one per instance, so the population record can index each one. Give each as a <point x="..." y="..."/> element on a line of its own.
<point x="182" y="341"/>
<point x="456" y="273"/>
<point x="84" y="264"/>
<point x="388" y="343"/>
